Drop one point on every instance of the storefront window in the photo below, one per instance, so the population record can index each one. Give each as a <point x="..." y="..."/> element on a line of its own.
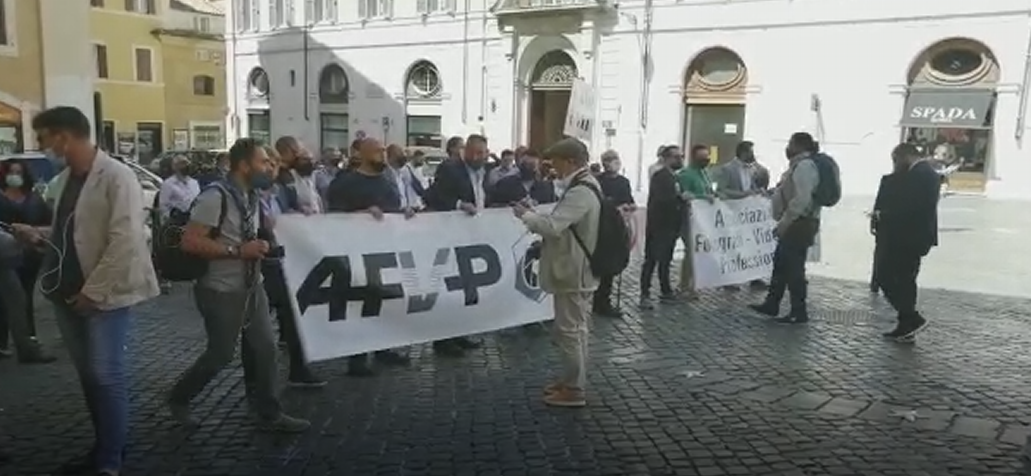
<point x="424" y="131"/>
<point x="335" y="132"/>
<point x="259" y="127"/>
<point x="966" y="148"/>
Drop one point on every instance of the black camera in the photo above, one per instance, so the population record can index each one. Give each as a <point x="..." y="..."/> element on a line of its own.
<point x="275" y="252"/>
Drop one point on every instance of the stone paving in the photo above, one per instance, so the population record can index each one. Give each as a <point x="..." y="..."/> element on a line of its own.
<point x="704" y="388"/>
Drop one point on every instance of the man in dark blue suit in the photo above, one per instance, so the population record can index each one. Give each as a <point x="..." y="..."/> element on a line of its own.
<point x="907" y="229"/>
<point x="460" y="184"/>
<point x="527" y="184"/>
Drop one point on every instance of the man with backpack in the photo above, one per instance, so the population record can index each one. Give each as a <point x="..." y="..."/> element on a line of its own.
<point x="222" y="234"/>
<point x="584" y="239"/>
<point x="810" y="183"/>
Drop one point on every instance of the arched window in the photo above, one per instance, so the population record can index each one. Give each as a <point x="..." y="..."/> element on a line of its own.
<point x="258" y="84"/>
<point x="203" y="85"/>
<point x="423" y="81"/>
<point x="333" y="85"/>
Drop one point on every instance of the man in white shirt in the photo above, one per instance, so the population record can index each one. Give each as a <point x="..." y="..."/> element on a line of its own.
<point x="297" y="170"/>
<point x="505" y="168"/>
<point x="739" y="178"/>
<point x="179" y="190"/>
<point x="418" y="166"/>
<point x="409" y="189"/>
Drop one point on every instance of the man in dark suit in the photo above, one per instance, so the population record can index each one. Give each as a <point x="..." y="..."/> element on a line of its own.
<point x="662" y="229"/>
<point x="460" y="184"/>
<point x="878" y="204"/>
<point x="616" y="188"/>
<point x="526" y="184"/>
<point x="907" y="229"/>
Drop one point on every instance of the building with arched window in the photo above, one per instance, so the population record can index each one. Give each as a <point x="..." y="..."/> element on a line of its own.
<point x="947" y="75"/>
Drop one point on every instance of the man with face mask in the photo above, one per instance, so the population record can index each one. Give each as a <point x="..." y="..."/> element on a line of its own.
<point x="329" y="166"/>
<point x="460" y="184"/>
<point x="409" y="188"/>
<point x="665" y="218"/>
<point x="296" y="174"/>
<point x="231" y="296"/>
<point x="525" y="186"/>
<point x="615" y="187"/>
<point x="907" y="229"/>
<point x="695" y="184"/>
<point x="178" y="191"/>
<point x="99" y="244"/>
<point x="798" y="222"/>
<point x="368" y="189"/>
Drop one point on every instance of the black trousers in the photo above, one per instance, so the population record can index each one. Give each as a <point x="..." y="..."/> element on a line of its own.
<point x="897" y="271"/>
<point x="28" y="276"/>
<point x="789" y="265"/>
<point x="603" y="295"/>
<point x="276" y="290"/>
<point x="658" y="253"/>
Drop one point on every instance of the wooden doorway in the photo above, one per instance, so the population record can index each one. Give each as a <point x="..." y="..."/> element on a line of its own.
<point x="550" y="90"/>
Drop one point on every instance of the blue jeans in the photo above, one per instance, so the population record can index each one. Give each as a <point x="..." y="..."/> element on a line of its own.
<point x="96" y="343"/>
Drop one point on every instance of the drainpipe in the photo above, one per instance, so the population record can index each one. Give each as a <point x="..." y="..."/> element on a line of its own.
<point x="235" y="119"/>
<point x="307" y="63"/>
<point x="483" y="70"/>
<point x="646" y="80"/>
<point x="1023" y="101"/>
<point x="465" y="65"/>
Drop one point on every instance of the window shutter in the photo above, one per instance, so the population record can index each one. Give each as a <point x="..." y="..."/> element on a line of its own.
<point x="449" y="5"/>
<point x="309" y="12"/>
<point x="255" y="15"/>
<point x="130" y="5"/>
<point x="331" y="10"/>
<point x="291" y="13"/>
<point x="238" y="15"/>
<point x="363" y="8"/>
<point x="152" y="8"/>
<point x="423" y="6"/>
<point x="388" y="8"/>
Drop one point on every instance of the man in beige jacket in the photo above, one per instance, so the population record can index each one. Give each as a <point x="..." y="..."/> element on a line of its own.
<point x="565" y="270"/>
<point x="97" y="266"/>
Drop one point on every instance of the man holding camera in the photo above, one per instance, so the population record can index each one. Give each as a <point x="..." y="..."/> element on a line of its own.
<point x="223" y="228"/>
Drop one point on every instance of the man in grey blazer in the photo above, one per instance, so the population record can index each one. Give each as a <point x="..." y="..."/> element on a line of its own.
<point x="739" y="178"/>
<point x="569" y="234"/>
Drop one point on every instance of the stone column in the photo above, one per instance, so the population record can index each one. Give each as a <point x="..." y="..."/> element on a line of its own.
<point x="67" y="55"/>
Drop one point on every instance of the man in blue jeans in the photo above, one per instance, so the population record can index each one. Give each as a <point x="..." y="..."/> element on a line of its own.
<point x="98" y="268"/>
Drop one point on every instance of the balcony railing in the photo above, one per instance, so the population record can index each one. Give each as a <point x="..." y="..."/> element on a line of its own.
<point x="515" y="6"/>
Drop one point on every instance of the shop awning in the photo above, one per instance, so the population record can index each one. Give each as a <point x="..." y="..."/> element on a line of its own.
<point x="959" y="108"/>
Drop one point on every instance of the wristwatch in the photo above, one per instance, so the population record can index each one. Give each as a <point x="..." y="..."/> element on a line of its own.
<point x="232" y="251"/>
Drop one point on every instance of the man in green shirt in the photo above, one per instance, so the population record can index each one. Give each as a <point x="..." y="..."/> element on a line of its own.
<point x="694" y="185"/>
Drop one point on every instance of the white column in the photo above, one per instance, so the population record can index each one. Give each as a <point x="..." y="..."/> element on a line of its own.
<point x="67" y="55"/>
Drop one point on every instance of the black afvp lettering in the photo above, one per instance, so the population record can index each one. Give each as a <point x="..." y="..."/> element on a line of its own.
<point x="340" y="290"/>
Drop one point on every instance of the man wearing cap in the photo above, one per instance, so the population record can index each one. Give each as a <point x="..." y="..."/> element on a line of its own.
<point x="569" y="235"/>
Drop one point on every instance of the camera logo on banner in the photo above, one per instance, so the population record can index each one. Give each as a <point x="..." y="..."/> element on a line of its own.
<point x="526" y="254"/>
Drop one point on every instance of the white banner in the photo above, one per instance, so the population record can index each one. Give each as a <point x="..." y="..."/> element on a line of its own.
<point x="732" y="241"/>
<point x="580" y="112"/>
<point x="360" y="285"/>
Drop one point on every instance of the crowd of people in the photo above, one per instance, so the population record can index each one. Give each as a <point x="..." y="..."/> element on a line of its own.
<point x="96" y="270"/>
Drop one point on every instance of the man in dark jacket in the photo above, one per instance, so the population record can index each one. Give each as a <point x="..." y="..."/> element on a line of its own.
<point x="527" y="183"/>
<point x="615" y="187"/>
<point x="907" y="229"/>
<point x="665" y="218"/>
<point x="460" y="184"/>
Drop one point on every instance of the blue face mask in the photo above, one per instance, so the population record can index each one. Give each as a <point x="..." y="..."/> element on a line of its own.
<point x="261" y="181"/>
<point x="55" y="159"/>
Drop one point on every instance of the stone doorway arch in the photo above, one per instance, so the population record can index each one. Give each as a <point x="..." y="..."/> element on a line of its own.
<point x="551" y="85"/>
<point x="715" y="97"/>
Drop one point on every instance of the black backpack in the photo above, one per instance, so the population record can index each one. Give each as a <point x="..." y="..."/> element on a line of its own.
<point x="612" y="250"/>
<point x="173" y="263"/>
<point x="828" y="191"/>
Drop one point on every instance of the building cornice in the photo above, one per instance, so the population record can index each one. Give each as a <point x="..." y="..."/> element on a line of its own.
<point x="185" y="33"/>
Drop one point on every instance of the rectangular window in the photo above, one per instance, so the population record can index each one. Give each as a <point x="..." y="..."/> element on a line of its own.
<point x="97" y="3"/>
<point x="148" y="7"/>
<point x="424" y="131"/>
<point x="435" y="6"/>
<point x="202" y="24"/>
<point x="280" y="14"/>
<point x="244" y="15"/>
<point x="144" y="58"/>
<point x="203" y="85"/>
<point x="100" y="57"/>
<point x="375" y="8"/>
<point x="335" y="131"/>
<point x="206" y="138"/>
<point x="4" y="40"/>
<point x="259" y="127"/>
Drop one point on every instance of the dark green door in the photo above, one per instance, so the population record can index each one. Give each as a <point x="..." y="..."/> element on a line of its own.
<point x="719" y="126"/>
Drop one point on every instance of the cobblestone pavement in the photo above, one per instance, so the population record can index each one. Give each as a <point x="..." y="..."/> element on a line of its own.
<point x="689" y="389"/>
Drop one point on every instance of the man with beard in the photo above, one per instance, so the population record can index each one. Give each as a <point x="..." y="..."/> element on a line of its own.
<point x="526" y="184"/>
<point x="740" y="178"/>
<point x="329" y="166"/>
<point x="615" y="187"/>
<point x="367" y="189"/>
<point x="665" y="218"/>
<point x="419" y="169"/>
<point x="694" y="185"/>
<point x="460" y="184"/>
<point x="296" y="172"/>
